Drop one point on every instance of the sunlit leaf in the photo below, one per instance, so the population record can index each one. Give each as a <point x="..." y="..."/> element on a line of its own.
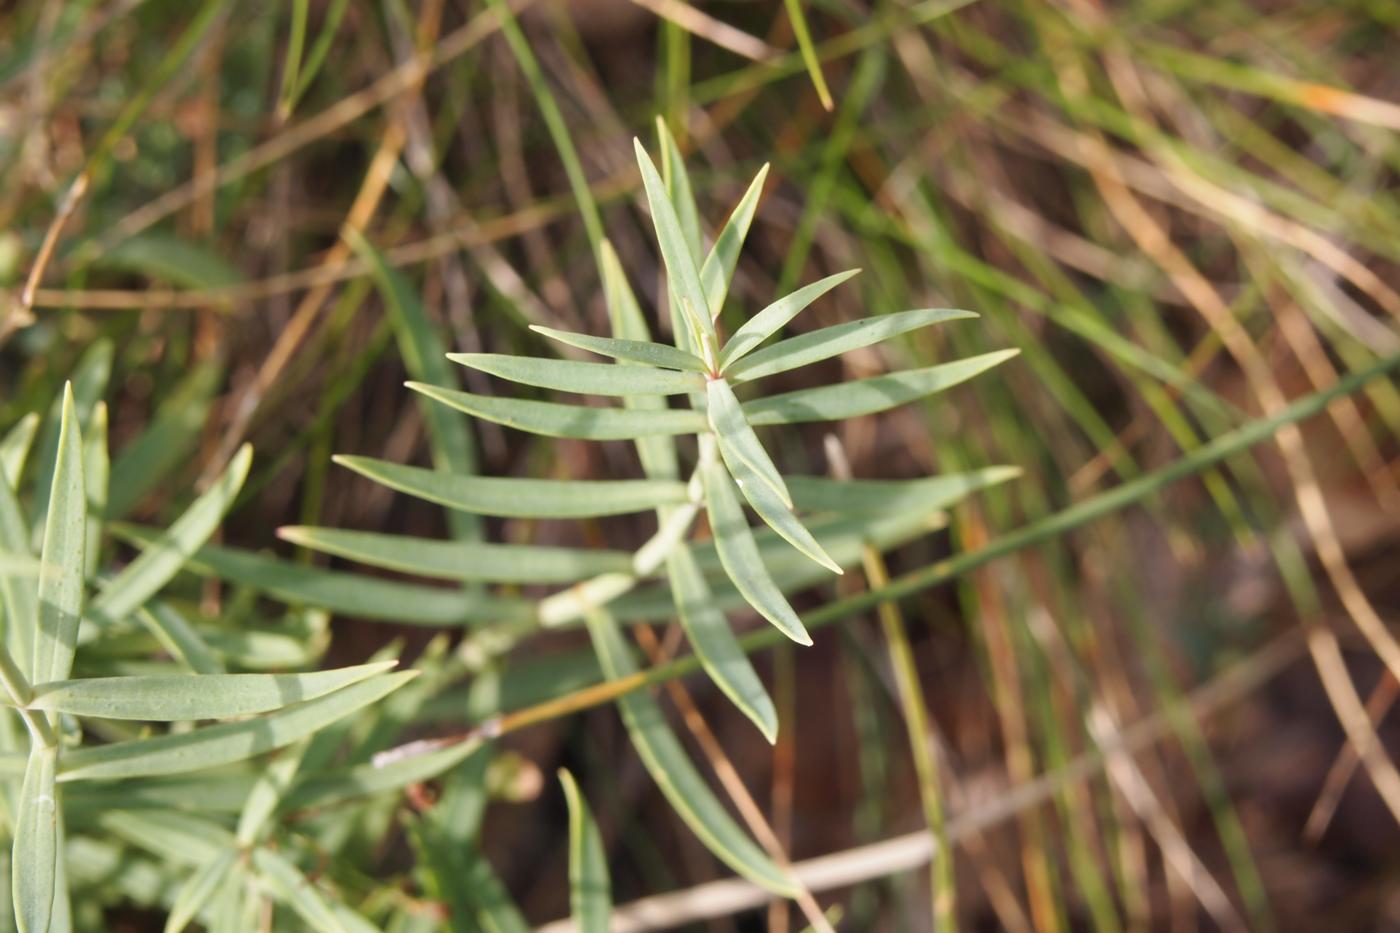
<point x="61" y="577"/>
<point x="15" y="445"/>
<point x="590" y="898"/>
<point x="738" y="443"/>
<point x="641" y="352"/>
<point x="676" y="253"/>
<point x="776" y="514"/>
<point x="718" y="269"/>
<point x="582" y="378"/>
<point x="771" y="319"/>
<point x="556" y="420"/>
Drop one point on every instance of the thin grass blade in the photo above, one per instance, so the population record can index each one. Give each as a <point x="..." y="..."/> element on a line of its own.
<point x="590" y="895"/>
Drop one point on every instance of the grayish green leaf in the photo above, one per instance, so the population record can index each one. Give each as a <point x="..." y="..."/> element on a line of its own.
<point x="642" y="352"/>
<point x="678" y="188"/>
<point x="582" y="378"/>
<point x="771" y="319"/>
<point x="17" y="591"/>
<point x="556" y="420"/>
<point x="179" y="638"/>
<point x="590" y="897"/>
<point x="198" y="889"/>
<point x="738" y="443"/>
<point x="34" y="859"/>
<point x="61" y="577"/>
<point x="676" y="252"/>
<point x="14" y="448"/>
<point x="893" y="497"/>
<point x="718" y="269"/>
<point x="295" y="890"/>
<point x="776" y="514"/>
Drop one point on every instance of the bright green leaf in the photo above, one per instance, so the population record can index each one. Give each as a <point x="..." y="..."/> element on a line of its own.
<point x="14" y="448"/>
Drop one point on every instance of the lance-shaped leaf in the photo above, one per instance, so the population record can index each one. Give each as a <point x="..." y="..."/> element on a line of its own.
<point x="738" y="443"/>
<point x="678" y="187"/>
<point x="740" y="557"/>
<point x="222" y="744"/>
<point x="462" y="560"/>
<point x="180" y="698"/>
<point x="777" y="515"/>
<point x="868" y="396"/>
<point x="893" y="497"/>
<point x="16" y="581"/>
<point x="666" y="762"/>
<point x="198" y="889"/>
<point x="522" y="498"/>
<point x="65" y="533"/>
<point x="14" y="448"/>
<point x="582" y="378"/>
<point x="162" y="559"/>
<point x="297" y="891"/>
<point x="590" y="896"/>
<point x="179" y="638"/>
<point x="631" y="351"/>
<point x="833" y="341"/>
<point x="718" y="269"/>
<point x="771" y="319"/>
<point x="715" y="645"/>
<point x="676" y="253"/>
<point x="34" y="860"/>
<point x="87" y="383"/>
<point x="556" y="420"/>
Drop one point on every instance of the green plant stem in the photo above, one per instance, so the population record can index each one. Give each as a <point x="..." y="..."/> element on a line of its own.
<point x="20" y="692"/>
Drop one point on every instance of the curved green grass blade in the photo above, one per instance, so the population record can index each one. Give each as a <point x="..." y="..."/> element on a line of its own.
<point x="65" y="533"/>
<point x="298" y="892"/>
<point x="740" y="556"/>
<point x="644" y="352"/>
<point x="461" y="560"/>
<point x="833" y="341"/>
<point x="187" y="697"/>
<point x="809" y="52"/>
<point x="211" y="746"/>
<point x="582" y="378"/>
<point x="738" y="443"/>
<point x="34" y="859"/>
<point x="715" y="645"/>
<point x="14" y="448"/>
<point x="665" y="760"/>
<point x="590" y="895"/>
<point x="771" y="319"/>
<point x="776" y="514"/>
<point x="718" y="270"/>
<point x="676" y="253"/>
<point x="198" y="889"/>
<point x="521" y="498"/>
<point x="556" y="420"/>
<point x="892" y="497"/>
<point x="162" y="558"/>
<point x="868" y="396"/>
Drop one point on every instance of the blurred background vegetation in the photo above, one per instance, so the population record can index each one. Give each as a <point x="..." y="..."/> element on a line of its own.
<point x="1183" y="213"/>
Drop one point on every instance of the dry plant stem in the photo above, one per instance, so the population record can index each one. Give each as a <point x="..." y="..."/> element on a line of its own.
<point x="912" y="851"/>
<point x="1382" y="698"/>
<point x="729" y="777"/>
<point x="699" y="23"/>
<point x="922" y="740"/>
<point x="784" y="776"/>
<point x="21" y="312"/>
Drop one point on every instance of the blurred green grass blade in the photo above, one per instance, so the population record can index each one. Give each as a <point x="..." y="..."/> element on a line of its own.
<point x="740" y="556"/>
<point x="211" y="746"/>
<point x="556" y="420"/>
<point x="718" y="269"/>
<point x="777" y="515"/>
<point x="15" y="445"/>
<point x="268" y="791"/>
<point x="162" y="559"/>
<point x="60" y="594"/>
<point x="291" y="61"/>
<point x="738" y="442"/>
<point x="665" y="760"/>
<point x="375" y="777"/>
<point x="461" y="560"/>
<point x="424" y="357"/>
<point x="582" y="378"/>
<point x="17" y="590"/>
<point x="632" y="351"/>
<point x="809" y="52"/>
<point x="296" y="891"/>
<point x="681" y="272"/>
<point x="522" y="498"/>
<point x="198" y="889"/>
<point x="590" y="896"/>
<point x="97" y="468"/>
<point x="891" y="497"/>
<point x="771" y="319"/>
<point x="36" y="849"/>
<point x="179" y="638"/>
<point x="173" y="259"/>
<point x="182" y="838"/>
<point x="335" y="11"/>
<point x="350" y="594"/>
<point x="833" y="341"/>
<point x="188" y="697"/>
<point x="868" y="396"/>
<point x="679" y="189"/>
<point x="18" y="565"/>
<point x="169" y="438"/>
<point x="714" y="643"/>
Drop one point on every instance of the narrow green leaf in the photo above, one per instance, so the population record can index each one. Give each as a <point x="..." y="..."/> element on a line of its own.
<point x="676" y="253"/>
<point x="582" y="378"/>
<point x="96" y="470"/>
<point x="14" y="448"/>
<point x="17" y="591"/>
<point x="718" y="269"/>
<point x="212" y="746"/>
<point x="892" y="497"/>
<point x="267" y="792"/>
<point x="590" y="897"/>
<point x="189" y="839"/>
<point x="666" y="762"/>
<point x="771" y="319"/>
<point x="198" y="889"/>
<point x="165" y="445"/>
<point x="522" y="498"/>
<point x="88" y="382"/>
<point x="34" y="858"/>
<point x="642" y="352"/>
<point x="556" y="420"/>
<point x="162" y="559"/>
<point x="461" y="560"/>
<point x="186" y="697"/>
<point x="179" y="638"/>
<point x="809" y="52"/>
<point x="868" y="396"/>
<point x="379" y="776"/>
<point x="776" y="514"/>
<point x="738" y="443"/>
<point x="679" y="190"/>
<point x="740" y="556"/>
<point x="169" y="258"/>
<point x="833" y="341"/>
<point x="295" y="890"/>
<point x="715" y="645"/>
<point x="61" y="577"/>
